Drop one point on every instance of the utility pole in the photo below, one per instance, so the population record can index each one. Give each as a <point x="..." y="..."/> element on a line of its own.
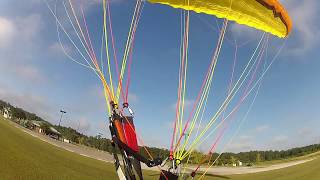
<point x="62" y="112"/>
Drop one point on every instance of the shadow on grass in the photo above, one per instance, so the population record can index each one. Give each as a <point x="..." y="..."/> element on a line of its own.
<point x="217" y="176"/>
<point x="208" y="175"/>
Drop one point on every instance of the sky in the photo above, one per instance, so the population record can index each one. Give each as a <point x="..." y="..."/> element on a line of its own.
<point x="36" y="75"/>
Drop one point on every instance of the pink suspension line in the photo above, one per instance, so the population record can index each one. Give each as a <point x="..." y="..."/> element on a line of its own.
<point x="245" y="93"/>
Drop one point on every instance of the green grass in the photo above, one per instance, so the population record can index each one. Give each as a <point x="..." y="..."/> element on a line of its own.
<point x="306" y="171"/>
<point x="23" y="157"/>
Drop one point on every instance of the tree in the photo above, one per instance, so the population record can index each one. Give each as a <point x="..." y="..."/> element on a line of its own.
<point x="258" y="158"/>
<point x="197" y="157"/>
<point x="233" y="160"/>
<point x="18" y="113"/>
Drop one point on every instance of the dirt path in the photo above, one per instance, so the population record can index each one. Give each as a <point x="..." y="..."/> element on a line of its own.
<point x="106" y="157"/>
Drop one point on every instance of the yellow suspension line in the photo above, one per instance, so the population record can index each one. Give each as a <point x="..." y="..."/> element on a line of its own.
<point x="94" y="61"/>
<point x="216" y="127"/>
<point x="216" y="56"/>
<point x="183" y="75"/>
<point x="227" y="101"/>
<point x="107" y="49"/>
<point x="58" y="24"/>
<point x="127" y="48"/>
<point x="207" y="87"/>
<point x="236" y="132"/>
<point x="181" y="69"/>
<point x="79" y="37"/>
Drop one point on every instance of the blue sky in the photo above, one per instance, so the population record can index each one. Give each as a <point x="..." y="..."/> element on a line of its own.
<point x="36" y="75"/>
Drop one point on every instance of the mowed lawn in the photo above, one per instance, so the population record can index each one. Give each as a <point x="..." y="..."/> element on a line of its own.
<point x="306" y="171"/>
<point x="24" y="157"/>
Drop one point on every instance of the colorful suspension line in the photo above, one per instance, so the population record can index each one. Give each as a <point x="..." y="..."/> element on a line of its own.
<point x="229" y="89"/>
<point x="128" y="46"/>
<point x="213" y="147"/>
<point x="234" y="90"/>
<point x="204" y="89"/>
<point x="107" y="12"/>
<point x="258" y="83"/>
<point x="219" y="112"/>
<point x="182" y="73"/>
<point x="126" y="100"/>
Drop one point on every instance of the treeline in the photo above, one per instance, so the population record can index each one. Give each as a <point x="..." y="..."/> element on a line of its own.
<point x="260" y="156"/>
<point x="255" y="157"/>
<point x="104" y="144"/>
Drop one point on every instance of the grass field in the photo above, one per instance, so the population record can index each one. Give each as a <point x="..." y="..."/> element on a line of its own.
<point x="306" y="171"/>
<point x="23" y="157"/>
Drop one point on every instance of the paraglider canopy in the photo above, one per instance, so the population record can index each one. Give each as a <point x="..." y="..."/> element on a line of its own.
<point x="266" y="15"/>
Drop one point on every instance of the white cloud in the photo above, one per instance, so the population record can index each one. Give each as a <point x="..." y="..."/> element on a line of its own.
<point x="18" y="41"/>
<point x="243" y="33"/>
<point x="84" y="124"/>
<point x="242" y="143"/>
<point x="56" y="48"/>
<point x="245" y="138"/>
<point x="28" y="27"/>
<point x="29" y="73"/>
<point x="20" y="33"/>
<point x="306" y="29"/>
<point x="80" y="124"/>
<point x="7" y="29"/>
<point x="261" y="129"/>
<point x="278" y="142"/>
<point x="29" y="102"/>
<point x="187" y="103"/>
<point x="43" y="107"/>
<point x="280" y="139"/>
<point x="133" y="98"/>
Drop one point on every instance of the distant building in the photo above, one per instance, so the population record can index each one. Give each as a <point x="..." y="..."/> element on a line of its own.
<point x="239" y="163"/>
<point x="66" y="140"/>
<point x="234" y="164"/>
<point x="36" y="126"/>
<point x="51" y="132"/>
<point x="6" y="113"/>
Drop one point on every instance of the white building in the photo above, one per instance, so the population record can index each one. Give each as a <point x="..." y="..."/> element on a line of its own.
<point x="6" y="113"/>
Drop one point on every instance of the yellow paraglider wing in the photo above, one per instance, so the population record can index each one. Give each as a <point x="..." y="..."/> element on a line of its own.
<point x="266" y="15"/>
